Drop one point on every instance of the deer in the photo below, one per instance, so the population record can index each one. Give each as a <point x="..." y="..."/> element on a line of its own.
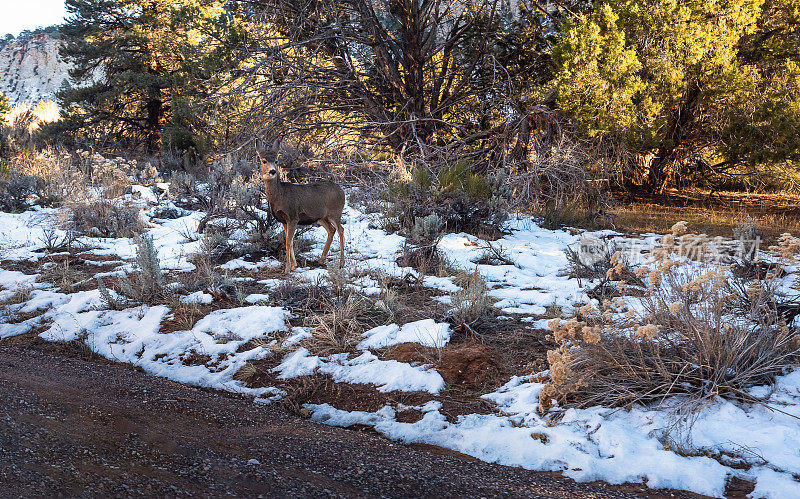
<point x="291" y="204"/>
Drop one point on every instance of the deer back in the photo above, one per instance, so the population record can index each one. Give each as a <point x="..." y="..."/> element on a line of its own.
<point x="308" y="203"/>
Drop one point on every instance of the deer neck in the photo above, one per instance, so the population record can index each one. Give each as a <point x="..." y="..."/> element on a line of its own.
<point x="272" y="189"/>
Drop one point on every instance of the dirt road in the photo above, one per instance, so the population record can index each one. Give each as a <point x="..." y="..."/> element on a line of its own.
<point x="77" y="427"/>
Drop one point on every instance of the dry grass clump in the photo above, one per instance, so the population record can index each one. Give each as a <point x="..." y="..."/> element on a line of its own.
<point x="339" y="328"/>
<point x="695" y="335"/>
<point x="247" y="371"/>
<point x="787" y="247"/>
<point x="46" y="178"/>
<point x="11" y="305"/>
<point x="20" y="295"/>
<point x="63" y="274"/>
<point x="183" y="316"/>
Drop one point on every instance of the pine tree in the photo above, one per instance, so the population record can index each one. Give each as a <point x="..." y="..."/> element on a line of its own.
<point x="132" y="59"/>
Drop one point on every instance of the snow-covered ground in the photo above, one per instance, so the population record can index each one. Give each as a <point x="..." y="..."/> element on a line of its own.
<point x="727" y="439"/>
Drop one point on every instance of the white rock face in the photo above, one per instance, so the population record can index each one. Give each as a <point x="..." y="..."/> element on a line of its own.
<point x="31" y="69"/>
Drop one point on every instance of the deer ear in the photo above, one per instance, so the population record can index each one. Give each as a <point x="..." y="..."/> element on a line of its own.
<point x="263" y="160"/>
<point x="276" y="146"/>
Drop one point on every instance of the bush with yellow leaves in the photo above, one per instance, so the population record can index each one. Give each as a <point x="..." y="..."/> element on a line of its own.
<point x="697" y="333"/>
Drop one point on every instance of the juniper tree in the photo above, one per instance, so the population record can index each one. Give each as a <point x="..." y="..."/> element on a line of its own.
<point x="5" y="108"/>
<point x="688" y="86"/>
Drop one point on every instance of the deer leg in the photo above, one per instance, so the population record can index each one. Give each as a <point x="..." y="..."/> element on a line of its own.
<point x="286" y="247"/>
<point x="291" y="263"/>
<point x="328" y="227"/>
<point x="340" y="230"/>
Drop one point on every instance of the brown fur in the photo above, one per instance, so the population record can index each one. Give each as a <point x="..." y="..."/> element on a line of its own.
<point x="303" y="204"/>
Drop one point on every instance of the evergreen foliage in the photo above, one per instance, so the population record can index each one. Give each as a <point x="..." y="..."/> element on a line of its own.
<point x="694" y="87"/>
<point x="136" y="65"/>
<point x="5" y="108"/>
<point x="666" y="92"/>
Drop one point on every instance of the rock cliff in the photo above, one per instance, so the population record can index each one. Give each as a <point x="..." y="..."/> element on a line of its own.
<point x="31" y="69"/>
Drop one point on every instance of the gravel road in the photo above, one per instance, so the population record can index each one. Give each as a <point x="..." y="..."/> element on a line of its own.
<point x="78" y="427"/>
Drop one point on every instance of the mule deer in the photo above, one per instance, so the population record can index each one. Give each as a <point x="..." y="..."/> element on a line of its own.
<point x="319" y="202"/>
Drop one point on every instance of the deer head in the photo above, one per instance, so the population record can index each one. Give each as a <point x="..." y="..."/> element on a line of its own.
<point x="268" y="158"/>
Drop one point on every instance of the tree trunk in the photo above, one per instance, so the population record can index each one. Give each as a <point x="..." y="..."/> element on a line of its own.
<point x="674" y="139"/>
<point x="656" y="175"/>
<point x="155" y="112"/>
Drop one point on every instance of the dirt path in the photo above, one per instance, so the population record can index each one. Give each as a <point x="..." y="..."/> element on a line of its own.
<point x="78" y="427"/>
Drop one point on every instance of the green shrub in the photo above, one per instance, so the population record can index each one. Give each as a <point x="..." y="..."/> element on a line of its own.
<point x="472" y="302"/>
<point x="147" y="285"/>
<point x="15" y="190"/>
<point x="458" y="177"/>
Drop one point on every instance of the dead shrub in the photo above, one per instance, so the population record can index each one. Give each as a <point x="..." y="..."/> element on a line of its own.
<point x="305" y="388"/>
<point x="693" y="337"/>
<point x="298" y="295"/>
<point x="52" y="242"/>
<point x="554" y="176"/>
<point x="600" y="262"/>
<point x="105" y="218"/>
<point x="231" y="190"/>
<point x="494" y="255"/>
